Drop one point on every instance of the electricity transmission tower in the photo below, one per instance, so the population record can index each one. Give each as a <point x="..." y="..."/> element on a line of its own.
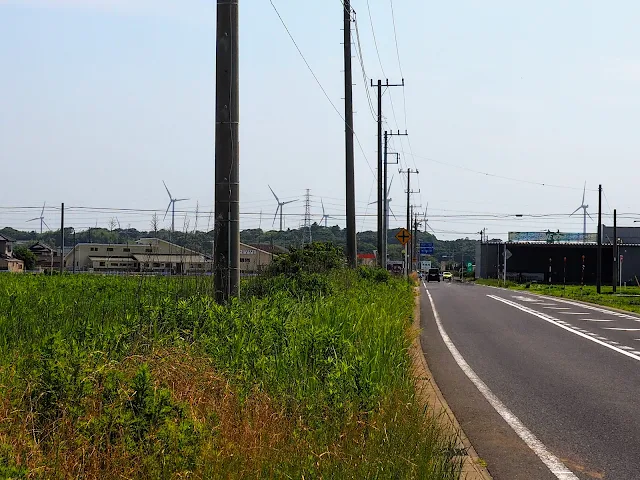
<point x="307" y="218"/>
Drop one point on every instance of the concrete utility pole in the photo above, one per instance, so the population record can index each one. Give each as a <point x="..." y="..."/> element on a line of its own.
<point x="62" y="238"/>
<point x="381" y="200"/>
<point x="385" y="221"/>
<point x="352" y="249"/>
<point x="599" y="253"/>
<point x="227" y="172"/>
<point x="409" y="192"/>
<point x="615" y="250"/>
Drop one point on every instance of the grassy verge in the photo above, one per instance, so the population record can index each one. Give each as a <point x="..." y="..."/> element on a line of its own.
<point x="625" y="299"/>
<point x="307" y="376"/>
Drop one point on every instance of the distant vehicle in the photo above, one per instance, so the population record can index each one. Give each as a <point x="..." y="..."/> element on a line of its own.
<point x="433" y="274"/>
<point x="447" y="276"/>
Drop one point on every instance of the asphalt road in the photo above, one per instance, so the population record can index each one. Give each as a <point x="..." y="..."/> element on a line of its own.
<point x="563" y="375"/>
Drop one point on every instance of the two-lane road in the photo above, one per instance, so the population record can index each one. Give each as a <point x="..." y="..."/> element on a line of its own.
<point x="545" y="388"/>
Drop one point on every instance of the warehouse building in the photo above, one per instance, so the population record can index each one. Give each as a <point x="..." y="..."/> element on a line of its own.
<point x="153" y="255"/>
<point x="558" y="261"/>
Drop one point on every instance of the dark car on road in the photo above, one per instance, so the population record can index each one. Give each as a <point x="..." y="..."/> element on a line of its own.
<point x="433" y="274"/>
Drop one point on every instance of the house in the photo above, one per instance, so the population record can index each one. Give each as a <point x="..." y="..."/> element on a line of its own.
<point x="7" y="262"/>
<point x="47" y="258"/>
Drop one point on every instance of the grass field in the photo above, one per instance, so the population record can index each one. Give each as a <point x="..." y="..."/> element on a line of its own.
<point x="626" y="298"/>
<point x="307" y="376"/>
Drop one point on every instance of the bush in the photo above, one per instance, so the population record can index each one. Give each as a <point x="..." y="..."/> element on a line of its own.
<point x="318" y="257"/>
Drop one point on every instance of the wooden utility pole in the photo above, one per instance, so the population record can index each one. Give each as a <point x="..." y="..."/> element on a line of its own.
<point x="227" y="172"/>
<point x="352" y="252"/>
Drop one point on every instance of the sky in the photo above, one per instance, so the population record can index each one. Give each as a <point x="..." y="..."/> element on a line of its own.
<point x="510" y="108"/>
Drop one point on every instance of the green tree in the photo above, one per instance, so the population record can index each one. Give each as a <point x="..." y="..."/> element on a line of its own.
<point x="26" y="255"/>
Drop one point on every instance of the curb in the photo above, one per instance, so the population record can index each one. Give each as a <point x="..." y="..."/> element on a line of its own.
<point x="429" y="394"/>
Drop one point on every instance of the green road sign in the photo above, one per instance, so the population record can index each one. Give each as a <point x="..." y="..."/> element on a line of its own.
<point x="469" y="267"/>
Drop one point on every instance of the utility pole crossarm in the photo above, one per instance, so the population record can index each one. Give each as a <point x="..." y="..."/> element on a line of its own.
<point x="382" y="173"/>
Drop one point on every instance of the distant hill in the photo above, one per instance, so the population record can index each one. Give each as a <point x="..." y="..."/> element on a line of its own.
<point x="202" y="241"/>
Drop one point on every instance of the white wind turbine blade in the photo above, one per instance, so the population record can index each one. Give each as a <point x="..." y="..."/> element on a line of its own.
<point x="584" y="190"/>
<point x="165" y="213"/>
<point x="180" y="199"/>
<point x="43" y="205"/>
<point x="274" y="193"/>
<point x="322" y="202"/>
<point x="167" y="189"/>
<point x="46" y="224"/>
<point x="37" y="218"/>
<point x="290" y="201"/>
<point x="588" y="215"/>
<point x="576" y="210"/>
<point x="276" y="214"/>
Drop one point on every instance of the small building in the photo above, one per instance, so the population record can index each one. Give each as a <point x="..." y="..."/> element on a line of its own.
<point x="367" y="259"/>
<point x="253" y="260"/>
<point x="47" y="257"/>
<point x="7" y="261"/>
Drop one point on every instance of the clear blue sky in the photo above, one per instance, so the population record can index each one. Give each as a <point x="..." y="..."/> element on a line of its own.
<point x="102" y="100"/>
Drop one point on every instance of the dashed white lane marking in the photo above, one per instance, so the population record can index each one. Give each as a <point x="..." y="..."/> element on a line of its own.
<point x="596" y="320"/>
<point x="622" y="329"/>
<point x="548" y="318"/>
<point x="553" y="463"/>
<point x="598" y="309"/>
<point x="557" y="308"/>
<point x="574" y="313"/>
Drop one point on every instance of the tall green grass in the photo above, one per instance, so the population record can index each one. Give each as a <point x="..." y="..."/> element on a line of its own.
<point x="148" y="377"/>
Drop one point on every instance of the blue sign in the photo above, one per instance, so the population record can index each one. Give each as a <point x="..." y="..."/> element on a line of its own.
<point x="426" y="248"/>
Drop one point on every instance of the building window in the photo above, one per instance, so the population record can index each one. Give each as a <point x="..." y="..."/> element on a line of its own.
<point x="156" y="265"/>
<point x="94" y="249"/>
<point x="148" y="250"/>
<point x="102" y="264"/>
<point x="109" y="249"/>
<point x="126" y="249"/>
<point x="245" y="260"/>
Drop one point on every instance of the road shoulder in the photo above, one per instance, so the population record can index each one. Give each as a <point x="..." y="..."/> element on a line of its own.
<point x="429" y="394"/>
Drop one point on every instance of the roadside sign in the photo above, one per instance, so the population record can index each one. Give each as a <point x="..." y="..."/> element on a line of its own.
<point x="426" y="248"/>
<point x="621" y="258"/>
<point x="425" y="265"/>
<point x="508" y="254"/>
<point x="469" y="267"/>
<point x="403" y="236"/>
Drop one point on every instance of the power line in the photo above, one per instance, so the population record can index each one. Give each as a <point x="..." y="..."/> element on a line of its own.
<point x="320" y="84"/>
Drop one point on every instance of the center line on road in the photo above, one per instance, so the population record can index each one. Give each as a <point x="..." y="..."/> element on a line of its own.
<point x="556" y="322"/>
<point x="623" y="329"/>
<point x="554" y="464"/>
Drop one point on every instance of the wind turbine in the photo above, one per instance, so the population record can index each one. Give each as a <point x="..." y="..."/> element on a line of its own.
<point x="324" y="215"/>
<point x="172" y="206"/>
<point x="280" y="205"/>
<point x="584" y="214"/>
<point x="41" y="218"/>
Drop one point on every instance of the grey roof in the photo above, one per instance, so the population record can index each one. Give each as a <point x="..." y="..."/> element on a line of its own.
<point x="7" y="239"/>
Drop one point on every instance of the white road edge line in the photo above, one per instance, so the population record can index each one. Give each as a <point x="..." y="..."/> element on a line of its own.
<point x="554" y="321"/>
<point x="554" y="464"/>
